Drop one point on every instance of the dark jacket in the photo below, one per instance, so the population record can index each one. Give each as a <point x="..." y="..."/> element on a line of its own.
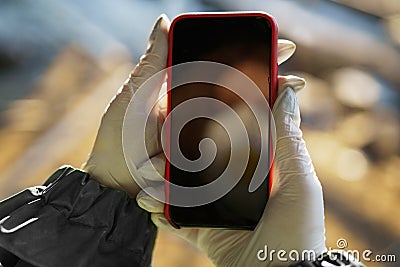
<point x="73" y="221"/>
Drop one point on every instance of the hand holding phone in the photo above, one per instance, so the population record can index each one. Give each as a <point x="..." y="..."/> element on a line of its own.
<point x="293" y="217"/>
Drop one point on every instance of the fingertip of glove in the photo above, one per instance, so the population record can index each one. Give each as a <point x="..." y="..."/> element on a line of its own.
<point x="285" y="43"/>
<point x="163" y="20"/>
<point x="291" y="81"/>
<point x="286" y="49"/>
<point x="155" y="58"/>
<point x="160" y="25"/>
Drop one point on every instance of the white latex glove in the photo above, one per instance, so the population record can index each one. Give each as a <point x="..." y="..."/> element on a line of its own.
<point x="293" y="218"/>
<point x="106" y="163"/>
<point x="294" y="215"/>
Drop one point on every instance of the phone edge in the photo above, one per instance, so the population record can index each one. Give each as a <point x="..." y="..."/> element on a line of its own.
<point x="273" y="90"/>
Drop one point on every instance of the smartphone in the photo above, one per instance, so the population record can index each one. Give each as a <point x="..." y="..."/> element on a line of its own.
<point x="247" y="42"/>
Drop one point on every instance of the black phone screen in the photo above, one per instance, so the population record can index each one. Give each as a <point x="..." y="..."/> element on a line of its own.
<point x="242" y="42"/>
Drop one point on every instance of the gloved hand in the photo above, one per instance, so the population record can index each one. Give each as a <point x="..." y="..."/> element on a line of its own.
<point x="106" y="162"/>
<point x="293" y="217"/>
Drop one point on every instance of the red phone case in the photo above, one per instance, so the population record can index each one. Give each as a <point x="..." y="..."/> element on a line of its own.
<point x="273" y="89"/>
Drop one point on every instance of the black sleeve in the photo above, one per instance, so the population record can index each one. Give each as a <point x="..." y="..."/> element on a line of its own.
<point x="73" y="221"/>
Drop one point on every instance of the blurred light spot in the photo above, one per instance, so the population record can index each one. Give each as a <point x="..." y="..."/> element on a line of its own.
<point x="356" y="88"/>
<point x="351" y="164"/>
